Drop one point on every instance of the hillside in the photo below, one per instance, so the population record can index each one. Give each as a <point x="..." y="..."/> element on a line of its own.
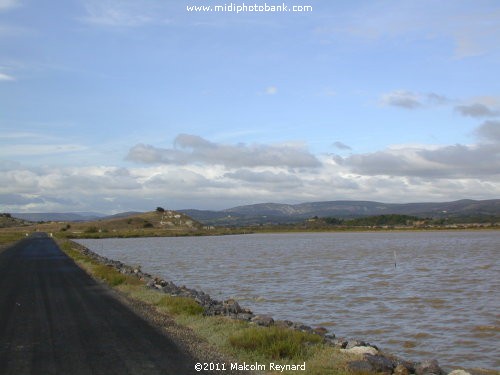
<point x="131" y="224"/>
<point x="272" y="213"/>
<point x="7" y="221"/>
<point x="140" y="223"/>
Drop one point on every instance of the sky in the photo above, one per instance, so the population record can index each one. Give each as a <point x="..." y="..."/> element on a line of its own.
<point x="116" y="105"/>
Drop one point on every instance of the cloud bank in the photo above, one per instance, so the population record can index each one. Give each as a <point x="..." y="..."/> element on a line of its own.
<point x="411" y="100"/>
<point x="480" y="160"/>
<point x="476" y="110"/>
<point x="198" y="173"/>
<point x="190" y="149"/>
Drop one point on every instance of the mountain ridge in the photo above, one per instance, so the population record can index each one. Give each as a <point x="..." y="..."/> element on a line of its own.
<point x="282" y="213"/>
<point x="262" y="213"/>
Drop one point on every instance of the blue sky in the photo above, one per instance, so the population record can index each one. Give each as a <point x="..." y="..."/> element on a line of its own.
<point x="117" y="105"/>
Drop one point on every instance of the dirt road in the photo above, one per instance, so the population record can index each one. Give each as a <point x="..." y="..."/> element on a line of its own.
<point x="55" y="319"/>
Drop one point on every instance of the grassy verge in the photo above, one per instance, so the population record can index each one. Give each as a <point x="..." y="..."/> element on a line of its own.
<point x="8" y="237"/>
<point x="236" y="339"/>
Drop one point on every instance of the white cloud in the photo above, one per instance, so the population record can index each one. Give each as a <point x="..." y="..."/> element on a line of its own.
<point x="341" y="146"/>
<point x="411" y="100"/>
<point x="477" y="110"/>
<point x="6" y="77"/>
<point x="476" y="161"/>
<point x="400" y="98"/>
<point x="489" y="132"/>
<point x="279" y="180"/>
<point x="8" y="4"/>
<point x="197" y="173"/>
<point x="9" y="151"/>
<point x="271" y="90"/>
<point x="110" y="189"/>
<point x="113" y="13"/>
<point x="192" y="149"/>
<point x="17" y="143"/>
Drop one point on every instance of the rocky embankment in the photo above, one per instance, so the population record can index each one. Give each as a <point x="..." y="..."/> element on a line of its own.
<point x="372" y="359"/>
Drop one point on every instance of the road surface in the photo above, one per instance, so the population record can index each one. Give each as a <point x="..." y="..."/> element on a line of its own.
<point x="55" y="319"/>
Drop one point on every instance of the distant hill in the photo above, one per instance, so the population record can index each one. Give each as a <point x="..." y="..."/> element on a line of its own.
<point x="150" y="222"/>
<point x="8" y="221"/>
<point x="57" y="216"/>
<point x="275" y="213"/>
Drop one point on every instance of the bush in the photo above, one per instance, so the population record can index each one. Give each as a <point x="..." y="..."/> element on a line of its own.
<point x="180" y="305"/>
<point x="91" y="230"/>
<point x="148" y="225"/>
<point x="274" y="342"/>
<point x="160" y="209"/>
<point x="65" y="228"/>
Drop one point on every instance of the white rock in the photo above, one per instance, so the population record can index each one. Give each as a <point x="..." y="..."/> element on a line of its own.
<point x="459" y="372"/>
<point x="364" y="350"/>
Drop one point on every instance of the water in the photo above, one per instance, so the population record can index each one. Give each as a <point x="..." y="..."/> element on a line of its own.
<point x="441" y="301"/>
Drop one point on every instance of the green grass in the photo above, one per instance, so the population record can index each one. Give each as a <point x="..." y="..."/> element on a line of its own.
<point x="109" y="275"/>
<point x="180" y="305"/>
<point x="101" y="271"/>
<point x="275" y="342"/>
<point x="8" y="237"/>
<point x="75" y="254"/>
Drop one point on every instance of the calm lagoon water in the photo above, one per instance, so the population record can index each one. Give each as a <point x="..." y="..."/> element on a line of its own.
<point x="441" y="301"/>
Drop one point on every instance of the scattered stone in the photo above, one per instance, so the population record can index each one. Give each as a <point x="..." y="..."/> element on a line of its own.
<point x="459" y="372"/>
<point x="263" y="320"/>
<point x="360" y="366"/>
<point x="353" y="343"/>
<point x="410" y="366"/>
<point x="380" y="363"/>
<point x="322" y="331"/>
<point x="340" y="343"/>
<point x="429" y="368"/>
<point x="231" y="307"/>
<point x="360" y="350"/>
<point x="401" y="370"/>
<point x="283" y="323"/>
<point x="245" y="316"/>
<point x="302" y="327"/>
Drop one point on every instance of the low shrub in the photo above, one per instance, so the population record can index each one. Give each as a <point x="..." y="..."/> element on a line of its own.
<point x="274" y="342"/>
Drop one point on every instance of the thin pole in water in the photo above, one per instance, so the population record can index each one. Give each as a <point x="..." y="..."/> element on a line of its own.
<point x="395" y="262"/>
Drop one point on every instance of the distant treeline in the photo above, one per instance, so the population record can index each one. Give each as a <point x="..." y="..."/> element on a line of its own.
<point x="401" y="220"/>
<point x="370" y="221"/>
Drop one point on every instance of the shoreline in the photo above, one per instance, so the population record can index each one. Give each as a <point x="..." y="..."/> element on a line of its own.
<point x="247" y="231"/>
<point x="372" y="358"/>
